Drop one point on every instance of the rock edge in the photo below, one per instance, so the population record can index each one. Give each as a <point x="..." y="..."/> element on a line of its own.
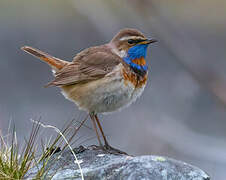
<point x="97" y="164"/>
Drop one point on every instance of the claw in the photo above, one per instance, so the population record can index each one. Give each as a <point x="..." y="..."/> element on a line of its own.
<point x="109" y="149"/>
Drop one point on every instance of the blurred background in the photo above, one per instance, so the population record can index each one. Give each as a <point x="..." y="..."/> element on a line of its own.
<point x="182" y="112"/>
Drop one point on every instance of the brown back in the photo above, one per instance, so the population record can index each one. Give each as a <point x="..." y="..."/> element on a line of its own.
<point x="91" y="64"/>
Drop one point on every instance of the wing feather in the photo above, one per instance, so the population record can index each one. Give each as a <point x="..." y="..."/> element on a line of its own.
<point x="87" y="66"/>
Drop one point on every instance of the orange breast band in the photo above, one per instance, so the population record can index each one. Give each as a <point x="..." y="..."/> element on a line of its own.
<point x="131" y="77"/>
<point x="139" y="61"/>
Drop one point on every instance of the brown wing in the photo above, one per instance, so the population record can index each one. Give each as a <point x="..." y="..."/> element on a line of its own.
<point x="91" y="64"/>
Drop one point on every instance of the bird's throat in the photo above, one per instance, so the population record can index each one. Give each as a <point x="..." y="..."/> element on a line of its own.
<point x="135" y="58"/>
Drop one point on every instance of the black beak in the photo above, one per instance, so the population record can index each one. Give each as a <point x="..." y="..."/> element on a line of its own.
<point x="149" y="41"/>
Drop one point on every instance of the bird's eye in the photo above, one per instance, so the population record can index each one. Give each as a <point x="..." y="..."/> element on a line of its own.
<point x="130" y="41"/>
<point x="135" y="41"/>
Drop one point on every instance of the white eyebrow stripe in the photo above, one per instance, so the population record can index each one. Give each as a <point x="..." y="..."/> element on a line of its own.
<point x="125" y="38"/>
<point x="130" y="37"/>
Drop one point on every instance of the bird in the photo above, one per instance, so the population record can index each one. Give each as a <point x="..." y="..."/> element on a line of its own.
<point x="102" y="79"/>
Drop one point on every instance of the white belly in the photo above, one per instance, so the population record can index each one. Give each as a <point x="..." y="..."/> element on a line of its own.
<point x="108" y="94"/>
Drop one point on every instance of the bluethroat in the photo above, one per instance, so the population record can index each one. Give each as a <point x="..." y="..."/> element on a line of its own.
<point x="103" y="78"/>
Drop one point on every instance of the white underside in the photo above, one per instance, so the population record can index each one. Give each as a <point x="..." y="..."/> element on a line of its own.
<point x="106" y="95"/>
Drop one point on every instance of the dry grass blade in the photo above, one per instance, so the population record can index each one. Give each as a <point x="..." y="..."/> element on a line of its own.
<point x="66" y="141"/>
<point x="76" y="130"/>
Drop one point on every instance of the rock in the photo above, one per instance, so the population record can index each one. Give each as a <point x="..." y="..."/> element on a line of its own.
<point x="97" y="164"/>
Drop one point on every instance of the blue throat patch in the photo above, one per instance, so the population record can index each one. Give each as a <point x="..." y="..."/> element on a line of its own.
<point x="136" y="52"/>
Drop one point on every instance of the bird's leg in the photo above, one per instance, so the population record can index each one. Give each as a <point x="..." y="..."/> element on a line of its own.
<point x="107" y="147"/>
<point x="101" y="130"/>
<point x="92" y="117"/>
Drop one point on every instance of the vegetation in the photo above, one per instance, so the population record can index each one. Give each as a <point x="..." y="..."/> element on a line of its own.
<point x="15" y="161"/>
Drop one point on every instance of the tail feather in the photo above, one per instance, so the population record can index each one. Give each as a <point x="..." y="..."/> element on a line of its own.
<point x="54" y="62"/>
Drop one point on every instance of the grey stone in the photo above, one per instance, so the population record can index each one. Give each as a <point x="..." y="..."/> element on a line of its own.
<point x="97" y="164"/>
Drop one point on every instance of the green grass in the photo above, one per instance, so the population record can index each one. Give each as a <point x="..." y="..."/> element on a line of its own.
<point x="15" y="161"/>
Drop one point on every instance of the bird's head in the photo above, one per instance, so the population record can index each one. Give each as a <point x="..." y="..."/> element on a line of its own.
<point x="131" y="41"/>
<point x="131" y="45"/>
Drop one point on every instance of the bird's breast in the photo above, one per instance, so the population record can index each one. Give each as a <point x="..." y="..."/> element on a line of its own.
<point x="116" y="90"/>
<point x="131" y="77"/>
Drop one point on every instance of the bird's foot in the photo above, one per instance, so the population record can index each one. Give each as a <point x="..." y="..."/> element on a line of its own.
<point x="109" y="149"/>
